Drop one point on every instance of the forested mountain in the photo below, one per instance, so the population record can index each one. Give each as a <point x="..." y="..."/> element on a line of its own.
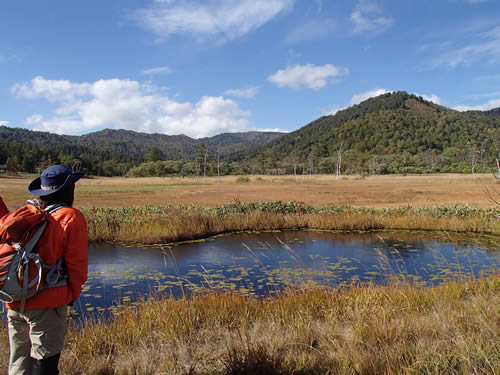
<point x="391" y="133"/>
<point x="492" y="112"/>
<point x="228" y="143"/>
<point x="394" y="132"/>
<point x="111" y="152"/>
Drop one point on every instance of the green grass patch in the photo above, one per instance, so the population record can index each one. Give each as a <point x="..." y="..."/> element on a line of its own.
<point x="243" y="180"/>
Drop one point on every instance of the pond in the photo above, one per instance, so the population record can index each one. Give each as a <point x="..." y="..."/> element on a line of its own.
<point x="264" y="263"/>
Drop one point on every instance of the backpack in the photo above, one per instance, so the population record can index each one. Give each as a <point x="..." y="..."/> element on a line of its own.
<point x="22" y="272"/>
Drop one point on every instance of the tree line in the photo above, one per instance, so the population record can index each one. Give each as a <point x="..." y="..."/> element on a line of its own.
<point x="392" y="133"/>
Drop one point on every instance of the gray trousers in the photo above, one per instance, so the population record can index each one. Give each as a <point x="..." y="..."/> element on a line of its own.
<point x="35" y="334"/>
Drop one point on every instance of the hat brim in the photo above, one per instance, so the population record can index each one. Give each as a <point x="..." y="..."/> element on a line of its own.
<point x="35" y="187"/>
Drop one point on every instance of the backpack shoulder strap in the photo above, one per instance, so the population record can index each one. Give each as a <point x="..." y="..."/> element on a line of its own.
<point x="54" y="207"/>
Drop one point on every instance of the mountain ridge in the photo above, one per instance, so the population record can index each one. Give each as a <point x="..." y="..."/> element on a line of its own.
<point x="390" y="123"/>
<point x="401" y="131"/>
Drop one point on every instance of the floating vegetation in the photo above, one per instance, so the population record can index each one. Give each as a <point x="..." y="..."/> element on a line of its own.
<point x="256" y="265"/>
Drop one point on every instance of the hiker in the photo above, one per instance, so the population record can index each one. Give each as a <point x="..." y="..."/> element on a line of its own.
<point x="37" y="331"/>
<point x="3" y="208"/>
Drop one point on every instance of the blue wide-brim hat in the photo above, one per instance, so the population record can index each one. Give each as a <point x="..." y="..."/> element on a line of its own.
<point x="53" y="179"/>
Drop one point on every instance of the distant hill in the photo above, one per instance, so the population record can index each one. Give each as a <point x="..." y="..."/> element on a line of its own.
<point x="120" y="146"/>
<point x="391" y="124"/>
<point x="228" y="143"/>
<point x="138" y="144"/>
<point x="492" y="112"/>
<point x="391" y="133"/>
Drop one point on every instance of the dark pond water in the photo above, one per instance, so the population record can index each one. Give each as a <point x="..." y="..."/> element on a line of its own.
<point x="264" y="263"/>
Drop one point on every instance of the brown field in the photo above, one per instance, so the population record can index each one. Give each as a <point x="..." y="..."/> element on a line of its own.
<point x="373" y="191"/>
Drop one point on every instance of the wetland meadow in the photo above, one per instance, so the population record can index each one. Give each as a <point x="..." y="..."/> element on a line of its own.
<point x="286" y="275"/>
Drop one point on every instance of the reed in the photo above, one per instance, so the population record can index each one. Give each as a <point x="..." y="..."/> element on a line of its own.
<point x="165" y="224"/>
<point x="364" y="329"/>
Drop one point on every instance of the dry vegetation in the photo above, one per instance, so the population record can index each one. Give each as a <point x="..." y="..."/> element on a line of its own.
<point x="450" y="329"/>
<point x="372" y="191"/>
<point x="166" y="224"/>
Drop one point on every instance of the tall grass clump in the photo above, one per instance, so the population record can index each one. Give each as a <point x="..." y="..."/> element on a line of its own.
<point x="153" y="224"/>
<point x="364" y="329"/>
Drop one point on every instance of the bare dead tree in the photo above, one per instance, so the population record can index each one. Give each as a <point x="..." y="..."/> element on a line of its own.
<point x="340" y="149"/>
<point x="493" y="192"/>
<point x="311" y="166"/>
<point x="197" y="167"/>
<point x="205" y="166"/>
<point x="491" y="189"/>
<point x="473" y="163"/>
<point x="182" y="160"/>
<point x="218" y="166"/>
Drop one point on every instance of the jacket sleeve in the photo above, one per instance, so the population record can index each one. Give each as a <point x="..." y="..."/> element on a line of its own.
<point x="3" y="208"/>
<point x="76" y="254"/>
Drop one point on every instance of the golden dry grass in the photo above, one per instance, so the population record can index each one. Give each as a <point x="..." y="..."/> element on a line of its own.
<point x="178" y="224"/>
<point x="373" y="191"/>
<point x="450" y="329"/>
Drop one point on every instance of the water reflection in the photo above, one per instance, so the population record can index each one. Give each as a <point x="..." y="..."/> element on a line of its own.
<point x="264" y="263"/>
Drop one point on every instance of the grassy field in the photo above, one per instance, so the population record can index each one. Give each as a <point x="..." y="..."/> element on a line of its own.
<point x="373" y="191"/>
<point x="365" y="329"/>
<point x="450" y="329"/>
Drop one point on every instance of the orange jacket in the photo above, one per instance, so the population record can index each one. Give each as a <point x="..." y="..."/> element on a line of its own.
<point x="3" y="208"/>
<point x="65" y="235"/>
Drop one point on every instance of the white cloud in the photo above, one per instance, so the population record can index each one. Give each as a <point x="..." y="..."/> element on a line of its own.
<point x="358" y="98"/>
<point x="368" y="18"/>
<point x="431" y="98"/>
<point x="157" y="70"/>
<point x="216" y="20"/>
<point x="275" y="130"/>
<point x="250" y="92"/>
<point x="333" y="111"/>
<point x="312" y="30"/>
<point x="491" y="104"/>
<point x="4" y="123"/>
<point x="485" y="46"/>
<point x="127" y="104"/>
<point x="53" y="91"/>
<point x="307" y="76"/>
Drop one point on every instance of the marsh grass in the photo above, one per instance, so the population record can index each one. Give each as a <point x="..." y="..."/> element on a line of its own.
<point x="89" y="190"/>
<point x="363" y="329"/>
<point x="166" y="224"/>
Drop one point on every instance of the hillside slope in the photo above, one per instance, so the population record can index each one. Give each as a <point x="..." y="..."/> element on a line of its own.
<point x="32" y="148"/>
<point x="394" y="123"/>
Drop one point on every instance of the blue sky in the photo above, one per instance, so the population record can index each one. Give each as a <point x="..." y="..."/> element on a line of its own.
<point x="202" y="68"/>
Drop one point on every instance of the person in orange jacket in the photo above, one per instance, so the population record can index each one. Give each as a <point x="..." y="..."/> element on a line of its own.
<point x="36" y="335"/>
<point x="3" y="208"/>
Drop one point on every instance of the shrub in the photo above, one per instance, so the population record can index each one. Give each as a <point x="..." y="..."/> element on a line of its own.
<point x="243" y="179"/>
